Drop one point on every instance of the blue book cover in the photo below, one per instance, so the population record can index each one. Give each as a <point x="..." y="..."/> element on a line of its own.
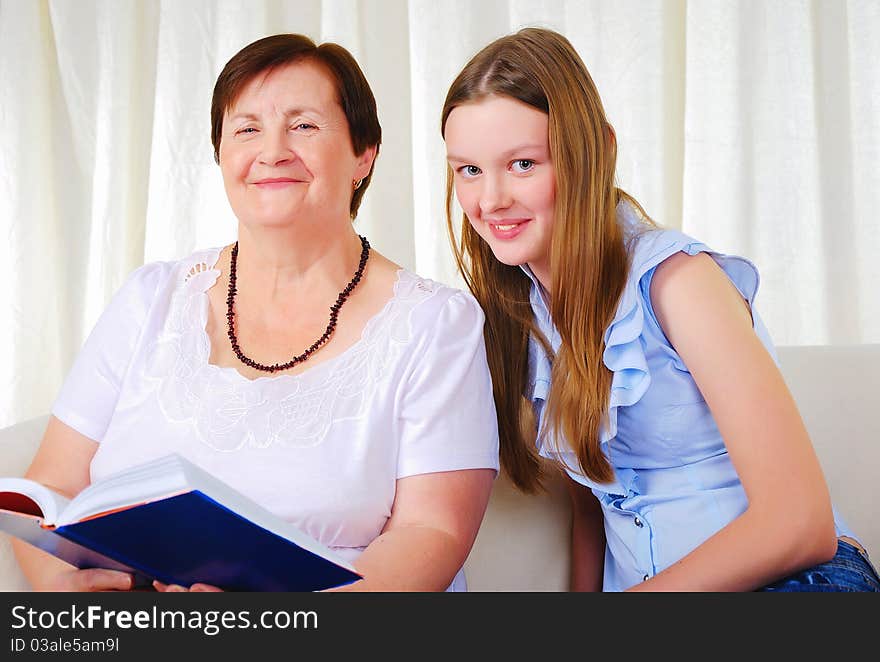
<point x="170" y="521"/>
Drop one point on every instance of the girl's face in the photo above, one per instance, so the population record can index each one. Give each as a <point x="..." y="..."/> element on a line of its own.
<point x="499" y="151"/>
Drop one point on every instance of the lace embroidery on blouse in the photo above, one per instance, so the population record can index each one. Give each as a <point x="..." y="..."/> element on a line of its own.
<point x="229" y="412"/>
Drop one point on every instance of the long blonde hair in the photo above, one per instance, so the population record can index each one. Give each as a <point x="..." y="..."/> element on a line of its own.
<point x="588" y="257"/>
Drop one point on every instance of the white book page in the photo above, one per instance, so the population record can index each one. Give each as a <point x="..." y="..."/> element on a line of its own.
<point x="147" y="482"/>
<point x="49" y="501"/>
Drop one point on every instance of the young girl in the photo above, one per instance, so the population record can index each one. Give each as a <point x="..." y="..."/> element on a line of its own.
<point x="629" y="354"/>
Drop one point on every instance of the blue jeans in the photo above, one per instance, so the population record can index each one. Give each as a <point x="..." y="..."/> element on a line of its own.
<point x="849" y="571"/>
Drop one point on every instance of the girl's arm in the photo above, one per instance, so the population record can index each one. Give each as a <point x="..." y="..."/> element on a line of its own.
<point x="434" y="521"/>
<point x="587" y="539"/>
<point x="788" y="524"/>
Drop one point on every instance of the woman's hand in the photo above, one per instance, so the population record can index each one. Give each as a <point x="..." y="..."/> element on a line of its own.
<point x="89" y="580"/>
<point x="195" y="588"/>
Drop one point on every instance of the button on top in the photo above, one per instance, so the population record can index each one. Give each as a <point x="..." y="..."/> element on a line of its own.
<point x="645" y="578"/>
<point x="637" y="522"/>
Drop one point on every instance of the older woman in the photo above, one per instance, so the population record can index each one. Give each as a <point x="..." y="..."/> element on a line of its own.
<point x="345" y="394"/>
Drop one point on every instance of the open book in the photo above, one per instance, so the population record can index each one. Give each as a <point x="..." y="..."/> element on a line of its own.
<point x="169" y="520"/>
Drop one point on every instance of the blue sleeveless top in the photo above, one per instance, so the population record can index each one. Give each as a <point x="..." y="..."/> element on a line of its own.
<point x="674" y="484"/>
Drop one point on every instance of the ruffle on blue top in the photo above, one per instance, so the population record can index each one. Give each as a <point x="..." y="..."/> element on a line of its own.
<point x="625" y="344"/>
<point x="628" y="335"/>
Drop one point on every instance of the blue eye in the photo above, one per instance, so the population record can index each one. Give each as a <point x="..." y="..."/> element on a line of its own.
<point x="523" y="165"/>
<point x="469" y="171"/>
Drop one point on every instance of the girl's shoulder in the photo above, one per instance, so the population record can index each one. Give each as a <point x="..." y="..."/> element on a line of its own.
<point x="649" y="246"/>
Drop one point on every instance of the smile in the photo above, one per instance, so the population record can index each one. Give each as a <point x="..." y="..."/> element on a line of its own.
<point x="276" y="180"/>
<point x="508" y="230"/>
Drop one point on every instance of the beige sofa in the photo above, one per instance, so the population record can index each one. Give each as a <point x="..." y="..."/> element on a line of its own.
<point x="523" y="542"/>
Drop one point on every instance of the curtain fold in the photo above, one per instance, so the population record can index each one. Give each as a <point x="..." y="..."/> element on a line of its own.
<point x="754" y="126"/>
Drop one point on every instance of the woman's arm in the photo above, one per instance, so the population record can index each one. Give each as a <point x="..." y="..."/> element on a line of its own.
<point x="788" y="524"/>
<point x="62" y="464"/>
<point x="434" y="521"/>
<point x="587" y="539"/>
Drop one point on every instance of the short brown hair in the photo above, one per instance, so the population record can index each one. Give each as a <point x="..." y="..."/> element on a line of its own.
<point x="352" y="89"/>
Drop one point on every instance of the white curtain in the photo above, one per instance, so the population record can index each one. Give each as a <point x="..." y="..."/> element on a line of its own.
<point x="753" y="125"/>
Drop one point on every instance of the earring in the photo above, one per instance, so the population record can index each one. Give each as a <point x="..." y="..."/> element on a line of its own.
<point x="357" y="184"/>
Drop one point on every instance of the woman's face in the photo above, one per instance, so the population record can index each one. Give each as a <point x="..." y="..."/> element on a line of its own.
<point x="499" y="152"/>
<point x="285" y="150"/>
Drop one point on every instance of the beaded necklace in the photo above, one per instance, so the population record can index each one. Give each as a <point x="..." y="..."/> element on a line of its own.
<point x="315" y="346"/>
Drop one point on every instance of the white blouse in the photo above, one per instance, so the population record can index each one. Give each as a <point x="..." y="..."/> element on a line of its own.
<point x="321" y="449"/>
